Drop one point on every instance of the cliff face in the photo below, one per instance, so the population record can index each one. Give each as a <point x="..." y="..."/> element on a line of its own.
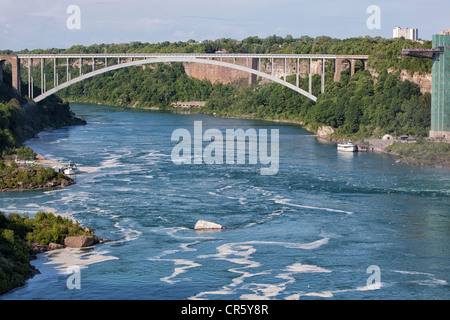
<point x="224" y="75"/>
<point x="423" y="80"/>
<point x="216" y="74"/>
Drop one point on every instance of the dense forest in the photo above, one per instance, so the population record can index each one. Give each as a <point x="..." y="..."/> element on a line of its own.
<point x="153" y="86"/>
<point x="355" y="105"/>
<point x="21" y="119"/>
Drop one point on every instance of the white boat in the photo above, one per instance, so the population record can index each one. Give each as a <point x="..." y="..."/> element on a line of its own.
<point x="347" y="146"/>
<point x="69" y="168"/>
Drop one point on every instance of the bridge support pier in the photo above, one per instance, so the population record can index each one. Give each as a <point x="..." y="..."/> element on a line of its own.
<point x="15" y="70"/>
<point x="352" y="62"/>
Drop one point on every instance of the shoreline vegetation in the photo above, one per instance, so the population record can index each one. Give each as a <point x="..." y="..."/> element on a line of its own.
<point x="421" y="153"/>
<point x="39" y="175"/>
<point x="23" y="237"/>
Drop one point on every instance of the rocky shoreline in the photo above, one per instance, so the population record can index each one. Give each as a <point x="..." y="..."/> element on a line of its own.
<point x="49" y="185"/>
<point x="69" y="242"/>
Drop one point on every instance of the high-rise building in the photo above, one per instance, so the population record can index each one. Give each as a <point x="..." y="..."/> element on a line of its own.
<point x="411" y="34"/>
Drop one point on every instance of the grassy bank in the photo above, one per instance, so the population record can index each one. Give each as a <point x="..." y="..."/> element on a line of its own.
<point x="423" y="153"/>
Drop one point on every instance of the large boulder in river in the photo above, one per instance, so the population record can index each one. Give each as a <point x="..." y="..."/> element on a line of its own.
<point x="206" y="225"/>
<point x="79" y="241"/>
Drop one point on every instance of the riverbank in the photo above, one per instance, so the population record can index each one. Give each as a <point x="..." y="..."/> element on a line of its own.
<point x="22" y="238"/>
<point x="17" y="178"/>
<point x="327" y="133"/>
<point x="421" y="153"/>
<point x="42" y="161"/>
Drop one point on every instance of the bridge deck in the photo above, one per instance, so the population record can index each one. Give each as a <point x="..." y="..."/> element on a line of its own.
<point x="182" y="55"/>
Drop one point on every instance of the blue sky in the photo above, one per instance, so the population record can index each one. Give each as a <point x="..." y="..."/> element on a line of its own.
<point x="35" y="24"/>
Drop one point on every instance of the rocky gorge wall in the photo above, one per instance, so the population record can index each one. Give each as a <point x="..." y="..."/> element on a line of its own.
<point x="217" y="74"/>
<point x="223" y="75"/>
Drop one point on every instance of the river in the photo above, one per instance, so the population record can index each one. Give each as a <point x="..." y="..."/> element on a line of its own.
<point x="327" y="225"/>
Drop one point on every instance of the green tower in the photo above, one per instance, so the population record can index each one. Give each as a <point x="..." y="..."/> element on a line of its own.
<point x="440" y="83"/>
<point x="440" y="87"/>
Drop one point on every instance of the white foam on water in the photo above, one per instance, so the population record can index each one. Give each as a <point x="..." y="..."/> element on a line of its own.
<point x="305" y="268"/>
<point x="431" y="281"/>
<point x="287" y="202"/>
<point x="66" y="258"/>
<point x="185" y="265"/>
<point x="174" y="230"/>
<point x="332" y="293"/>
<point x="154" y="154"/>
<point x="265" y="219"/>
<point x="129" y="233"/>
<point x="240" y="253"/>
<point x="111" y="163"/>
<point x="262" y="291"/>
<point x="270" y="291"/>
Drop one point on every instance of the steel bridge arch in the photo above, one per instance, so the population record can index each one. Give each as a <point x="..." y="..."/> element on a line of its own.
<point x="172" y="59"/>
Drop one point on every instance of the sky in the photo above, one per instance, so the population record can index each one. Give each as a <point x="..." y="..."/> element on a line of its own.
<point x="44" y="24"/>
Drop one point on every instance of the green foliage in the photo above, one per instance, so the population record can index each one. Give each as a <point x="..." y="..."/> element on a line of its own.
<point x="153" y="86"/>
<point x="15" y="177"/>
<point x="16" y="235"/>
<point x="25" y="153"/>
<point x="358" y="105"/>
<point x="355" y="105"/>
<point x="390" y="105"/>
<point x="20" y="120"/>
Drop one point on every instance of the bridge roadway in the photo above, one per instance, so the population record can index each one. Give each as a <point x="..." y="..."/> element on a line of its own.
<point x="145" y="58"/>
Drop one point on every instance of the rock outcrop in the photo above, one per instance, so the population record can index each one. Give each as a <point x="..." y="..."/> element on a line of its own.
<point x="38" y="248"/>
<point x="324" y="131"/>
<point x="206" y="225"/>
<point x="79" y="241"/>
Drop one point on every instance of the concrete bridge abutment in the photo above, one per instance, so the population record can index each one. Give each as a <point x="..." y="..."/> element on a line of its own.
<point x="15" y="70"/>
<point x="352" y="60"/>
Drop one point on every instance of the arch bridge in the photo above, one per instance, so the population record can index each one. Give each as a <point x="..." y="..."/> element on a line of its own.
<point x="101" y="63"/>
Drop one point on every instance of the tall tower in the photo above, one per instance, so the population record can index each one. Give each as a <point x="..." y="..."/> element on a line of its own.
<point x="440" y="83"/>
<point x="440" y="87"/>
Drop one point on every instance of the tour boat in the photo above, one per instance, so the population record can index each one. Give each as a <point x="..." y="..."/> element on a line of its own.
<point x="347" y="146"/>
<point x="69" y="168"/>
